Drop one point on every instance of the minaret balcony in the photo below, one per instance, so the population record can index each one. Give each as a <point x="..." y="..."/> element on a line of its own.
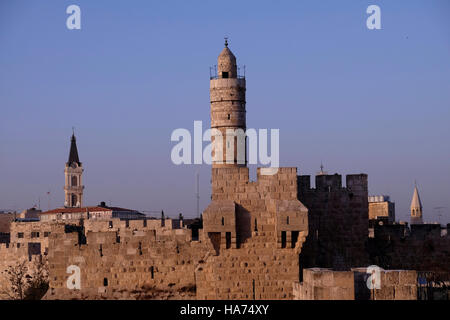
<point x="213" y="75"/>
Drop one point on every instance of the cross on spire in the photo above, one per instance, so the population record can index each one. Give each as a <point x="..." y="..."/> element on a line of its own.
<point x="321" y="172"/>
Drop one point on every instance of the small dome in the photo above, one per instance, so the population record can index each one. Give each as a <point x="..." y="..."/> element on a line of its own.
<point x="226" y="54"/>
<point x="227" y="64"/>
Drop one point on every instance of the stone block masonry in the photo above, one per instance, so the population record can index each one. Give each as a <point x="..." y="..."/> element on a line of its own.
<point x="138" y="260"/>
<point x="257" y="229"/>
<point x="327" y="284"/>
<point x="338" y="221"/>
<point x="421" y="247"/>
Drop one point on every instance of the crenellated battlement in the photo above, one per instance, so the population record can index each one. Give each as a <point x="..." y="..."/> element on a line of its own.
<point x="240" y="207"/>
<point x="234" y="183"/>
<point x="126" y="260"/>
<point x="329" y="183"/>
<point x="252" y="225"/>
<point x="337" y="220"/>
<point x="419" y="247"/>
<point x="418" y="232"/>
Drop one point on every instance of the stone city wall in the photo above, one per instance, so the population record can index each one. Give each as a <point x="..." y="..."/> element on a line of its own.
<point x="420" y="247"/>
<point x="338" y="221"/>
<point x="118" y="265"/>
<point x="327" y="284"/>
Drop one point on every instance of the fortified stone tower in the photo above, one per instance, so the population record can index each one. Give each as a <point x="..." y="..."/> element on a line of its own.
<point x="73" y="172"/>
<point x="416" y="208"/>
<point x="254" y="229"/>
<point x="228" y="125"/>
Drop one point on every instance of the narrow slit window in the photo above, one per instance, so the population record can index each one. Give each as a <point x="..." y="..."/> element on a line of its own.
<point x="283" y="239"/>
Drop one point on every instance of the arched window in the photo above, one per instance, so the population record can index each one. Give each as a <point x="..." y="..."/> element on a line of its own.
<point x="74" y="200"/>
<point x="74" y="181"/>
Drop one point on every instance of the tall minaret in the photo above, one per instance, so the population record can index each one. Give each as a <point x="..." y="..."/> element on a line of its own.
<point x="228" y="124"/>
<point x="73" y="172"/>
<point x="416" y="208"/>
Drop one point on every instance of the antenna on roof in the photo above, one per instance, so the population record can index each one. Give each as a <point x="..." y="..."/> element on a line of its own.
<point x="48" y="194"/>
<point x="197" y="194"/>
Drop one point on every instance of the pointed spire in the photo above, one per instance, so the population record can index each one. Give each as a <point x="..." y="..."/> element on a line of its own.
<point x="415" y="202"/>
<point x="73" y="154"/>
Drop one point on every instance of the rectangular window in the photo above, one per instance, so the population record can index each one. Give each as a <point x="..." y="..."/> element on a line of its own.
<point x="228" y="239"/>
<point x="20" y="235"/>
<point x="46" y="234"/>
<point x="35" y="234"/>
<point x="224" y="75"/>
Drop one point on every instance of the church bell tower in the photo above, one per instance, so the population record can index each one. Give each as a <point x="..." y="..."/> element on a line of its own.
<point x="73" y="172"/>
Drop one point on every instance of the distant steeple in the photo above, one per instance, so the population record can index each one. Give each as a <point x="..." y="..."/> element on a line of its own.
<point x="73" y="154"/>
<point x="321" y="172"/>
<point x="416" y="207"/>
<point x="73" y="172"/>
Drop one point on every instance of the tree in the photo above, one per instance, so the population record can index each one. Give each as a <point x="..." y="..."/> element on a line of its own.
<point x="38" y="283"/>
<point x="17" y="278"/>
<point x="25" y="285"/>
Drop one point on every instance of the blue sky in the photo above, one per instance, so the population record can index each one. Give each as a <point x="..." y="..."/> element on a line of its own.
<point x="358" y="100"/>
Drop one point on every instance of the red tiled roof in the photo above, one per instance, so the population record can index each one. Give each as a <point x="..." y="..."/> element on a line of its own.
<point x="84" y="209"/>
